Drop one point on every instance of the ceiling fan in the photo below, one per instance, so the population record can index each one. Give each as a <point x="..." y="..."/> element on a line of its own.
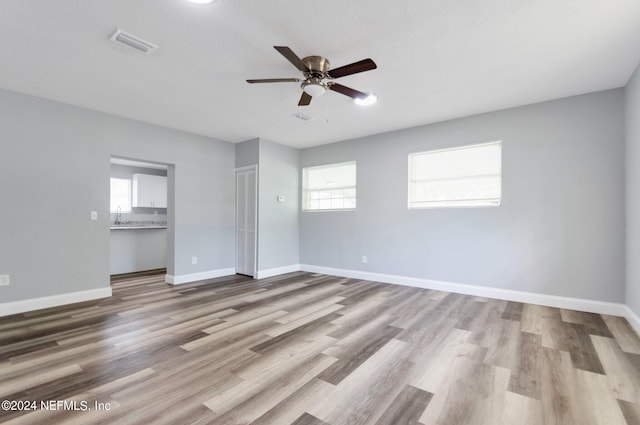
<point x="317" y="70"/>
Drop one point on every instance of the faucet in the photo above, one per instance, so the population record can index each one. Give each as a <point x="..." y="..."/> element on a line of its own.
<point x="118" y="219"/>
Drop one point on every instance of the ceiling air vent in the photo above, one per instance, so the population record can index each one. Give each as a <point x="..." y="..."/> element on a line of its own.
<point x="133" y="42"/>
<point x="302" y="116"/>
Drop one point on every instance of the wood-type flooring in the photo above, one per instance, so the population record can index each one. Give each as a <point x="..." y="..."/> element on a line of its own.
<point x="309" y="349"/>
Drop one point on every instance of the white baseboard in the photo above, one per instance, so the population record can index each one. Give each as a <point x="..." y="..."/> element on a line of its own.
<point x="262" y="274"/>
<point x="194" y="277"/>
<point x="633" y="319"/>
<point x="600" y="307"/>
<point x="23" y="306"/>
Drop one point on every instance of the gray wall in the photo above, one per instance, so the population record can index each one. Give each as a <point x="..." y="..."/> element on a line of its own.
<point x="632" y="127"/>
<point x="247" y="153"/>
<point x="560" y="230"/>
<point x="278" y="170"/>
<point x="278" y="238"/>
<point x="202" y="213"/>
<point x="54" y="170"/>
<point x="135" y="250"/>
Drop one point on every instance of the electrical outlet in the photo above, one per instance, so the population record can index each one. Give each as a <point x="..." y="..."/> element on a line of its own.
<point x="364" y="259"/>
<point x="194" y="260"/>
<point x="94" y="215"/>
<point x="4" y="280"/>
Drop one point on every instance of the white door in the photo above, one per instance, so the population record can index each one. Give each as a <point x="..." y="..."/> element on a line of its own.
<point x="246" y="218"/>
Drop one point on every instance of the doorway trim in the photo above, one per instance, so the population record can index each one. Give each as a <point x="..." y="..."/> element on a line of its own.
<point x="238" y="170"/>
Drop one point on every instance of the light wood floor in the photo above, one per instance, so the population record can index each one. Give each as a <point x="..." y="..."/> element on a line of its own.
<point x="314" y="349"/>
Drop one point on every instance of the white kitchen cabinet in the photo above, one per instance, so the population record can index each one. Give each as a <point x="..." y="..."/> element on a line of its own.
<point x="149" y="191"/>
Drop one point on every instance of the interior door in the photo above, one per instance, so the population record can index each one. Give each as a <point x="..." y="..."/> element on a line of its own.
<point x="246" y="220"/>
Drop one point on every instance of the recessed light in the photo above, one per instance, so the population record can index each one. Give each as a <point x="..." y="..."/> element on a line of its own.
<point x="366" y="101"/>
<point x="202" y="1"/>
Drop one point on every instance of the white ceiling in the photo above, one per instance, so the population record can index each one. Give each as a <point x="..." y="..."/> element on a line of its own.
<point x="437" y="59"/>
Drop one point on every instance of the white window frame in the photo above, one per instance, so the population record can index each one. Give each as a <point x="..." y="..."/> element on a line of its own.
<point x="330" y="193"/>
<point x="415" y="203"/>
<point x="123" y="209"/>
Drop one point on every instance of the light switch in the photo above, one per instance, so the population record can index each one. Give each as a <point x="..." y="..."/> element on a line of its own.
<point x="280" y="198"/>
<point x="94" y="215"/>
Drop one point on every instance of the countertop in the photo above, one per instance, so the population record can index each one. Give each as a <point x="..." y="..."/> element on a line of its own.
<point x="137" y="225"/>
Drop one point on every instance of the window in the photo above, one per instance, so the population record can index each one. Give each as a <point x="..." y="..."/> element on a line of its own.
<point x="467" y="176"/>
<point x="120" y="195"/>
<point x="329" y="187"/>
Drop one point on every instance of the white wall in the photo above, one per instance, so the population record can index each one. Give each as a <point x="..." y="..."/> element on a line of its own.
<point x="632" y="134"/>
<point x="54" y="170"/>
<point x="560" y="230"/>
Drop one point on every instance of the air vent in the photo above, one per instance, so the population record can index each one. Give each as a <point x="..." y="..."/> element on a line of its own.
<point x="133" y="42"/>
<point x="302" y="116"/>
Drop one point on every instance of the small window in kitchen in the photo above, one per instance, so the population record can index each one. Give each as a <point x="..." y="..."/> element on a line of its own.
<point x="120" y="195"/>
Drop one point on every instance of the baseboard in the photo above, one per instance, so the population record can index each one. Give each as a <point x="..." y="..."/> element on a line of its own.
<point x="23" y="306"/>
<point x="600" y="307"/>
<point x="194" y="277"/>
<point x="262" y="274"/>
<point x="633" y="319"/>
<point x="132" y="275"/>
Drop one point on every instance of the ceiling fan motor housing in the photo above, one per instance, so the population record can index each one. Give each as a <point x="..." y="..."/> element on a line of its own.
<point x="318" y="67"/>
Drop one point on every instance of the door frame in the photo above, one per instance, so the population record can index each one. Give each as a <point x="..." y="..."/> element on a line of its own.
<point x="239" y="170"/>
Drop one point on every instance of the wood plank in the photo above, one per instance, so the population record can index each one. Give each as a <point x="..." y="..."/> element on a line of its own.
<point x="526" y="375"/>
<point x="623" y="333"/>
<point x="295" y="405"/>
<point x="631" y="412"/>
<point x="513" y="311"/>
<point x="307" y="419"/>
<point x="362" y="396"/>
<point x="474" y="393"/>
<point x="406" y="408"/>
<point x="591" y="322"/>
<point x="306" y="348"/>
<point x="622" y="375"/>
<point x="347" y="363"/>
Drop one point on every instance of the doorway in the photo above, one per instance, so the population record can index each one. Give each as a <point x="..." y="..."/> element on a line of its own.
<point x="139" y="210"/>
<point x="246" y="220"/>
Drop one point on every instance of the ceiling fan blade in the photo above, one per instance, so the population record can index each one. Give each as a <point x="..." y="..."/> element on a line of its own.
<point x="275" y="80"/>
<point x="305" y="99"/>
<point x="347" y="91"/>
<point x="353" y="68"/>
<point x="292" y="57"/>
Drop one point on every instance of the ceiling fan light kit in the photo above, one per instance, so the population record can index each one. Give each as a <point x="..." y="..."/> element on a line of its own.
<point x="318" y="77"/>
<point x="314" y="88"/>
